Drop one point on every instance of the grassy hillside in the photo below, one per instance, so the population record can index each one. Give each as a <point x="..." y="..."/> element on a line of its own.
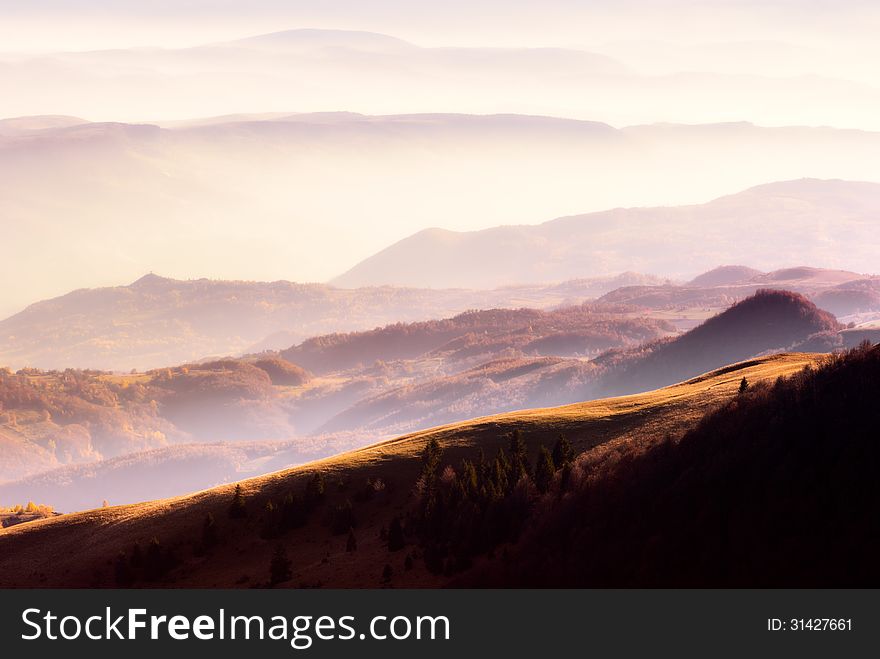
<point x="20" y="514"/>
<point x="777" y="488"/>
<point x="84" y="549"/>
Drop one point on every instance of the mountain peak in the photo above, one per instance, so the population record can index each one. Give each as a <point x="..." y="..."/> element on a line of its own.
<point x="725" y="275"/>
<point x="150" y="280"/>
<point x="318" y="38"/>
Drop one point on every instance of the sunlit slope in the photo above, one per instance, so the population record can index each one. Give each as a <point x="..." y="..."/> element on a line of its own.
<point x="81" y="549"/>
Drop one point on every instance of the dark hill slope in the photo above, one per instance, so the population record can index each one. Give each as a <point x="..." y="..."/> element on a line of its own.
<point x="83" y="549"/>
<point x="778" y="488"/>
<point x="769" y="320"/>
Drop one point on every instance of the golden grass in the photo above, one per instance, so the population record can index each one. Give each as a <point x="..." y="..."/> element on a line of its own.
<point x="78" y="549"/>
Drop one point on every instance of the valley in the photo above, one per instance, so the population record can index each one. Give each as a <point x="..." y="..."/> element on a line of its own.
<point x="80" y="549"/>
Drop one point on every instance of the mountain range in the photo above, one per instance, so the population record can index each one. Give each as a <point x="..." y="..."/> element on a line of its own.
<point x="365" y="490"/>
<point x="157" y="321"/>
<point x="308" y="182"/>
<point x="769" y="321"/>
<point x="821" y="222"/>
<point x="367" y="71"/>
<point x="75" y="438"/>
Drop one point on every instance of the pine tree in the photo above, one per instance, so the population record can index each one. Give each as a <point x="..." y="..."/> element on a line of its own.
<point x="343" y="518"/>
<point x="293" y="512"/>
<point x="314" y="490"/>
<point x="396" y="541"/>
<point x="469" y="480"/>
<point x="431" y="456"/>
<point x="565" y="477"/>
<point x="154" y="561"/>
<point x="237" y="509"/>
<point x="352" y="544"/>
<point x="123" y="571"/>
<point x="563" y="453"/>
<point x="209" y="532"/>
<point x="519" y="461"/>
<point x="743" y="386"/>
<point x="271" y="521"/>
<point x="428" y="482"/>
<point x="498" y="479"/>
<point x="280" y="566"/>
<point x="137" y="555"/>
<point x="544" y="470"/>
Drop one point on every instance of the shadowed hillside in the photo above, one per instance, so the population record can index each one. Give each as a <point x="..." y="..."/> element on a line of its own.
<point x="579" y="330"/>
<point x="769" y="320"/>
<point x="775" y="489"/>
<point x="71" y="439"/>
<point x="363" y="490"/>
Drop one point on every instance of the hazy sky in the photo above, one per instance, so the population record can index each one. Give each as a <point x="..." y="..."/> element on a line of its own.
<point x="625" y="62"/>
<point x="85" y="24"/>
<point x="784" y="48"/>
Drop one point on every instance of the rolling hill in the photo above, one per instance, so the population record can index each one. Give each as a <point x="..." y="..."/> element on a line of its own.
<point x="772" y="225"/>
<point x="769" y="321"/>
<point x="157" y="321"/>
<point x="567" y="331"/>
<point x="366" y="488"/>
<point x="843" y="293"/>
<point x="162" y="472"/>
<point x="284" y="173"/>
<point x="724" y="275"/>
<point x="777" y="488"/>
<point x="54" y="420"/>
<point x="71" y="439"/>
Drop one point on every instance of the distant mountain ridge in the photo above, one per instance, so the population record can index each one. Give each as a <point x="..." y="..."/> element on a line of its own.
<point x="157" y="321"/>
<point x="366" y="386"/>
<point x="308" y="38"/>
<point x="807" y="220"/>
<point x="208" y="174"/>
<point x="725" y="275"/>
<point x="769" y="321"/>
<point x="51" y="548"/>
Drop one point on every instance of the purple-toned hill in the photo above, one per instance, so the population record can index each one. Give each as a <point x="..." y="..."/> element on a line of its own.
<point x="770" y="320"/>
